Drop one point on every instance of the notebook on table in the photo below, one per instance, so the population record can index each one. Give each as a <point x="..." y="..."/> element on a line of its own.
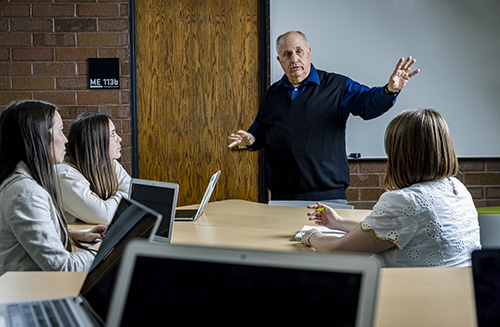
<point x="90" y="307"/>
<point x="193" y="214"/>
<point x="161" y="197"/>
<point x="157" y="282"/>
<point x="486" y="280"/>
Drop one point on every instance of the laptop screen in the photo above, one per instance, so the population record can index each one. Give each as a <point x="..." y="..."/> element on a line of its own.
<point x="160" y="199"/>
<point x="198" y="291"/>
<point x="486" y="277"/>
<point x="134" y="221"/>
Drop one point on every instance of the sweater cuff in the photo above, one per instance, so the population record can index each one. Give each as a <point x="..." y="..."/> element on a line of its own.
<point x="386" y="90"/>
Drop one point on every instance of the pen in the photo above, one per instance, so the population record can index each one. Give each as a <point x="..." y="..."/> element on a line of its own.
<point x="319" y="209"/>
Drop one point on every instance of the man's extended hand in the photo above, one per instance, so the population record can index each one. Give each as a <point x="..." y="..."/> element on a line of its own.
<point x="241" y="138"/>
<point x="401" y="74"/>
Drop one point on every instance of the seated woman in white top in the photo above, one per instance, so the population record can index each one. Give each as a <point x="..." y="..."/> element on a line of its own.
<point x="427" y="217"/>
<point x="33" y="231"/>
<point x="91" y="179"/>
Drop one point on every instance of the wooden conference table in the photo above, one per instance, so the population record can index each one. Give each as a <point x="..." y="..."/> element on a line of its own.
<point x="407" y="296"/>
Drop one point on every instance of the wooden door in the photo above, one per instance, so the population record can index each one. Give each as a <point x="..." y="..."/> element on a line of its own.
<point x="198" y="79"/>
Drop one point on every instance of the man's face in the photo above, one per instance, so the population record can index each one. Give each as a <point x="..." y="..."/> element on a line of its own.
<point x="294" y="57"/>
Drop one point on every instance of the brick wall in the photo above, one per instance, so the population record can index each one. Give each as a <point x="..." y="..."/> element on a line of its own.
<point x="44" y="47"/>
<point x="480" y="176"/>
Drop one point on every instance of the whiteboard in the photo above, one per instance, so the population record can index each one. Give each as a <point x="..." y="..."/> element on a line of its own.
<point x="456" y="44"/>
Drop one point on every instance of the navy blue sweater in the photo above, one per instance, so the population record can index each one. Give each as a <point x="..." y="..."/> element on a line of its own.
<point x="305" y="137"/>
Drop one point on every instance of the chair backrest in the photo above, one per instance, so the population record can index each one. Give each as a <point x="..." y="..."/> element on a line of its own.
<point x="303" y="204"/>
<point x="489" y="229"/>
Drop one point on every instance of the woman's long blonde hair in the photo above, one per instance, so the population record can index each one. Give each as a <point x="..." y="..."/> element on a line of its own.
<point x="88" y="151"/>
<point x="419" y="148"/>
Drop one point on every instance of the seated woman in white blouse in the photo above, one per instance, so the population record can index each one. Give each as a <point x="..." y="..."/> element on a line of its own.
<point x="91" y="179"/>
<point x="33" y="231"/>
<point x="427" y="218"/>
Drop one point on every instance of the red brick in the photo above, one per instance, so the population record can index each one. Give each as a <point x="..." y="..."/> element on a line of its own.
<point x="493" y="164"/>
<point x="126" y="154"/>
<point x="11" y="96"/>
<point x="125" y="67"/>
<point x="493" y="192"/>
<point x="113" y="24"/>
<point x="124" y="85"/>
<point x="476" y="192"/>
<point x="15" y="69"/>
<point x="121" y="53"/>
<point x="75" y="54"/>
<point x="57" y="97"/>
<point x="125" y="139"/>
<point x="68" y="112"/>
<point x="372" y="166"/>
<point x="5" y="83"/>
<point x="32" y="54"/>
<point x="471" y="165"/>
<point x="127" y="165"/>
<point x="4" y="54"/>
<point x="124" y="97"/>
<point x="53" y="10"/>
<point x="482" y="178"/>
<point x="117" y="112"/>
<point x="4" y="24"/>
<point x="71" y="83"/>
<point x="101" y="97"/>
<point x="126" y="126"/>
<point x="75" y="25"/>
<point x="370" y="194"/>
<point x="98" y="39"/>
<point x="486" y="203"/>
<point x="98" y="10"/>
<point x="124" y="9"/>
<point x="32" y="25"/>
<point x="52" y="39"/>
<point x="71" y="112"/>
<point x="18" y="10"/>
<point x="368" y="205"/>
<point x="33" y="83"/>
<point x="54" y="69"/>
<point x="15" y="39"/>
<point x="359" y="180"/>
<point x="352" y="194"/>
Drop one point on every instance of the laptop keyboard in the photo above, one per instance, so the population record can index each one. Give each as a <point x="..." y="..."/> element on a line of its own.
<point x="185" y="213"/>
<point x="44" y="313"/>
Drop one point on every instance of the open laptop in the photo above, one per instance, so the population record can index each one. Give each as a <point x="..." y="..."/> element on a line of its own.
<point x="90" y="307"/>
<point x="193" y="214"/>
<point x="486" y="278"/>
<point x="157" y="283"/>
<point x="161" y="197"/>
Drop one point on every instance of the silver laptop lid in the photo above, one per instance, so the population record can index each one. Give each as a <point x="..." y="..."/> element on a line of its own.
<point x="208" y="193"/>
<point x="161" y="197"/>
<point x="158" y="282"/>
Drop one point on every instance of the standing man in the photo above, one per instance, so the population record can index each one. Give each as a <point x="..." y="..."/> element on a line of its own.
<point x="302" y="121"/>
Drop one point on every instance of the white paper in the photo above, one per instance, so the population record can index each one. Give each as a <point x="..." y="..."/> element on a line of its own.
<point x="322" y="229"/>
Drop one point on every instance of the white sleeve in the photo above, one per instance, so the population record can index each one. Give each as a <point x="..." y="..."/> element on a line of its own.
<point x="392" y="219"/>
<point x="82" y="203"/>
<point x="123" y="177"/>
<point x="34" y="222"/>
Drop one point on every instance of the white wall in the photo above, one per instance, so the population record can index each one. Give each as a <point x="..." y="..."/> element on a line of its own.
<point x="456" y="44"/>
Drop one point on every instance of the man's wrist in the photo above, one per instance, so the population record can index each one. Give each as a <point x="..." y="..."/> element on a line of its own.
<point x="389" y="92"/>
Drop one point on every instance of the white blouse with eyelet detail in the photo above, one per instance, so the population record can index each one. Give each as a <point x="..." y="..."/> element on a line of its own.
<point x="432" y="224"/>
